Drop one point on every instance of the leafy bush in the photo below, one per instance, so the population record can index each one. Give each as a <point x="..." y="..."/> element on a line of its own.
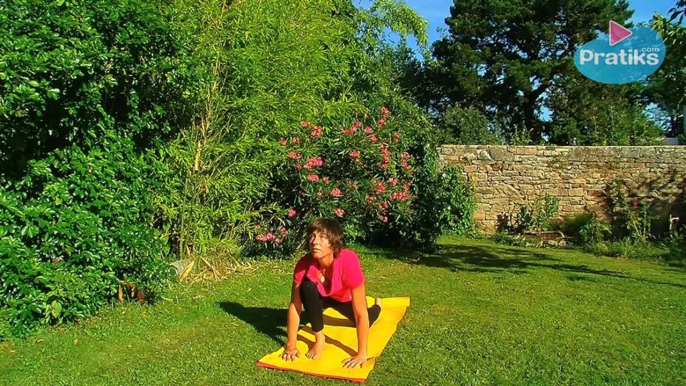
<point x="675" y="245"/>
<point x="631" y="214"/>
<point x="84" y="229"/>
<point x="361" y="173"/>
<point x="456" y="201"/>
<point x="535" y="216"/>
<point x="71" y="70"/>
<point x="87" y="86"/>
<point x="594" y="231"/>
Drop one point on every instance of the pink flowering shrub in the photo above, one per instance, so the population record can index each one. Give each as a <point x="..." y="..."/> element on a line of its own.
<point x="360" y="173"/>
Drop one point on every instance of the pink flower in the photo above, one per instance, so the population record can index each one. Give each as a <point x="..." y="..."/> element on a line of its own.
<point x="316" y="131"/>
<point x="635" y="203"/>
<point x="326" y="180"/>
<point x="396" y="135"/>
<point x="295" y="141"/>
<point x="381" y="123"/>
<point x="336" y="192"/>
<point x="312" y="162"/>
<point x="380" y="188"/>
<point x="304" y="123"/>
<point x="393" y="181"/>
<point x="370" y="198"/>
<point x="405" y="156"/>
<point x="270" y="236"/>
<point x="385" y="111"/>
<point x="313" y="177"/>
<point x="339" y="212"/>
<point x="283" y="231"/>
<point x="292" y="212"/>
<point x="258" y="226"/>
<point x="355" y="154"/>
<point x="368" y="130"/>
<point x="350" y="132"/>
<point x="298" y="166"/>
<point x="399" y="196"/>
<point x="294" y="155"/>
<point x="283" y="141"/>
<point x="373" y="138"/>
<point x="277" y="240"/>
<point x="383" y="218"/>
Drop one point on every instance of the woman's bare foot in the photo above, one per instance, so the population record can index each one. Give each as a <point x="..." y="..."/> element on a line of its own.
<point x="319" y="346"/>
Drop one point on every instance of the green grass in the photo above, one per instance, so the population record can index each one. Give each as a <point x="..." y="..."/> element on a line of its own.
<point x="481" y="313"/>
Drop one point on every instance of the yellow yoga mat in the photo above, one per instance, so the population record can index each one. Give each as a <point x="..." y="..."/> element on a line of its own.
<point x="341" y="339"/>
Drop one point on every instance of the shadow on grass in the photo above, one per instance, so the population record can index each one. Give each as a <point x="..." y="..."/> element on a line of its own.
<point x="272" y="321"/>
<point x="493" y="259"/>
<point x="268" y="321"/>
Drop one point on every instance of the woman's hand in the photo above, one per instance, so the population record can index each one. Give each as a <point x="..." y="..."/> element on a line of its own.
<point x="352" y="362"/>
<point x="290" y="353"/>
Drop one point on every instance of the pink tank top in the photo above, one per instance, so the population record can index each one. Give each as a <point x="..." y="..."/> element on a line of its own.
<point x="346" y="274"/>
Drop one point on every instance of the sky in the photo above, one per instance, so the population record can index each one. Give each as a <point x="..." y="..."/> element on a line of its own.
<point x="435" y="12"/>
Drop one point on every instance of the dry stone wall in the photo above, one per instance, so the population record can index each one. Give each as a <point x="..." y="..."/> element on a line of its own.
<point x="580" y="176"/>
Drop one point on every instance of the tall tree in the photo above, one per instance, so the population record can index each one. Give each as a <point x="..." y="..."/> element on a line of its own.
<point x="503" y="56"/>
<point x="667" y="87"/>
<point x="585" y="112"/>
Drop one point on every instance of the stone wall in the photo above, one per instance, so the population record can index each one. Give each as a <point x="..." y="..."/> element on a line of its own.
<point x="579" y="176"/>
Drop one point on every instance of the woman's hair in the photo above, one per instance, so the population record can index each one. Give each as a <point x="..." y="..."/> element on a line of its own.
<point x="329" y="228"/>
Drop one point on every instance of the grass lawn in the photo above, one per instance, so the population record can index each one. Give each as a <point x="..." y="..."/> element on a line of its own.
<point x="481" y="313"/>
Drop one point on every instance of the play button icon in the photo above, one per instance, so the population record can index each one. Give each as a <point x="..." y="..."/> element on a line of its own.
<point x="618" y="33"/>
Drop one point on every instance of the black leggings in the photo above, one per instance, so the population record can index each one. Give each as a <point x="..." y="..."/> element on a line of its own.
<point x="315" y="305"/>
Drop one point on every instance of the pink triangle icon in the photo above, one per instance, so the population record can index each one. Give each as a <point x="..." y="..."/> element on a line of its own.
<point x="618" y="33"/>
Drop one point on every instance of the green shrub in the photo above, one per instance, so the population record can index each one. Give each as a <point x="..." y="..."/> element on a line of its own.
<point x="536" y="215"/>
<point x="675" y="247"/>
<point x="72" y="70"/>
<point x="631" y="215"/>
<point x="360" y="173"/>
<point x="456" y="201"/>
<point x="85" y="88"/>
<point x="594" y="231"/>
<point x="73" y="229"/>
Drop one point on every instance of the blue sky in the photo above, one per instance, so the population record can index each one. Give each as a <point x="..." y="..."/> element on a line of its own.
<point x="435" y="12"/>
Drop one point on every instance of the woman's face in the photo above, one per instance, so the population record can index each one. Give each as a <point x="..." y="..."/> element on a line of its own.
<point x="319" y="245"/>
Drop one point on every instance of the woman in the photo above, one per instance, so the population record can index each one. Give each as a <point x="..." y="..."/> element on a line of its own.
<point x="329" y="276"/>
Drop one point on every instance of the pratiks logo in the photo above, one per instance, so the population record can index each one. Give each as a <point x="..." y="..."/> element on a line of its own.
<point x="623" y="56"/>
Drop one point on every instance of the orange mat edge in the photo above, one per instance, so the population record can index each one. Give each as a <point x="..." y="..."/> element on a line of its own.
<point x="268" y="366"/>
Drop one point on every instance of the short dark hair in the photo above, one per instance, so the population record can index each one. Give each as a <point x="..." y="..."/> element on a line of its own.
<point x="330" y="228"/>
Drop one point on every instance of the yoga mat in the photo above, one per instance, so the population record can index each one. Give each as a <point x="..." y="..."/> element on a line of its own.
<point x="341" y="339"/>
